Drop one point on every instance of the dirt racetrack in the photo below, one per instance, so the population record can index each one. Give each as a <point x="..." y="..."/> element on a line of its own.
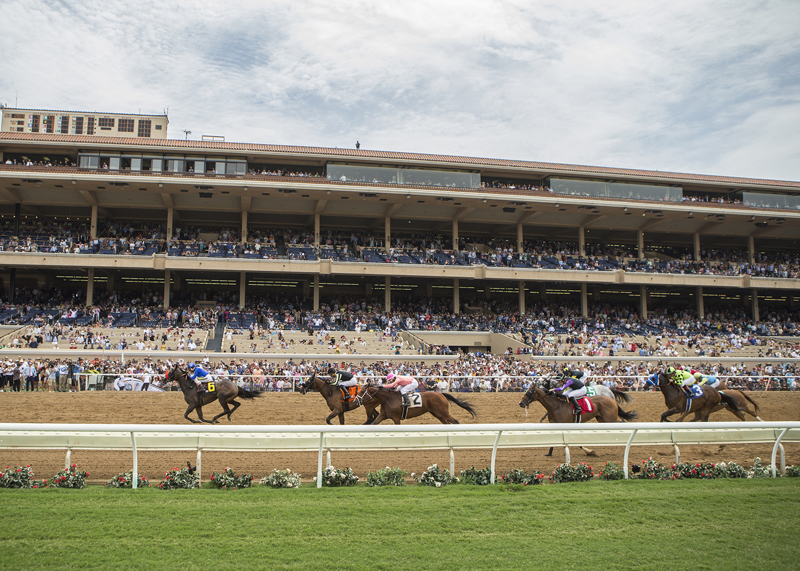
<point x="286" y="409"/>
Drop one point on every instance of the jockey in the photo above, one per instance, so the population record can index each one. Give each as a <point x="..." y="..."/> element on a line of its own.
<point x="199" y="375"/>
<point x="681" y="377"/>
<point x="341" y="379"/>
<point x="406" y="384"/>
<point x="573" y="388"/>
<point x="582" y="376"/>
<point x="709" y="380"/>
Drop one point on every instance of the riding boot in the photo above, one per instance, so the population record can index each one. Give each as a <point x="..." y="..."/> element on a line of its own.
<point x="201" y="388"/>
<point x="576" y="408"/>
<point x="406" y="400"/>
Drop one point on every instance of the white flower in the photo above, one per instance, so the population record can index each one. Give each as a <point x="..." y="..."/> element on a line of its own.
<point x="438" y="484"/>
<point x="289" y="485"/>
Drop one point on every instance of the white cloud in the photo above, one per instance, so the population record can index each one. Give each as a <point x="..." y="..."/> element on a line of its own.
<point x="690" y="86"/>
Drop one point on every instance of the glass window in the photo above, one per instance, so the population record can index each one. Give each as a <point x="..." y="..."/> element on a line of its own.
<point x="199" y="166"/>
<point x="175" y="165"/>
<point x="136" y="164"/>
<point x="125" y="126"/>
<point x="113" y="163"/>
<point x="389" y="175"/>
<point x="763" y="200"/>
<point x="157" y="165"/>
<point x="89" y="162"/>
<point x="597" y="188"/>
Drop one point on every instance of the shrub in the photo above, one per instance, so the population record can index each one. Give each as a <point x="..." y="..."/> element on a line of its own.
<point x="125" y="480"/>
<point x="572" y="473"/>
<point x="228" y="480"/>
<point x="477" y="477"/>
<point x="653" y="470"/>
<point x="387" y="477"/>
<point x="793" y="471"/>
<point x="18" y="477"/>
<point x="701" y="470"/>
<point x="760" y="471"/>
<point x="281" y="479"/>
<point x="179" y="479"/>
<point x="517" y="476"/>
<point x="71" y="478"/>
<point x="435" y="476"/>
<point x="730" y="470"/>
<point x="333" y="478"/>
<point x="611" y="471"/>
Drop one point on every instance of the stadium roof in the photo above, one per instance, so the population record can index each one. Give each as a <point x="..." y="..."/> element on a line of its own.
<point x="467" y="162"/>
<point x="84" y="112"/>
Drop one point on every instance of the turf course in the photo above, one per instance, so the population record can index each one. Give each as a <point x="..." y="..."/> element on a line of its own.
<point x="720" y="524"/>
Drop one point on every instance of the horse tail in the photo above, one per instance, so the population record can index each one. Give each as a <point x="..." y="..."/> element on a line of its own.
<point x="621" y="396"/>
<point x="626" y="416"/>
<point x="245" y="394"/>
<point x="730" y="401"/>
<point x="754" y="403"/>
<point x="463" y="404"/>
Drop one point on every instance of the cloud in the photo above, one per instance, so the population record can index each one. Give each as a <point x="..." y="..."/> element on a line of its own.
<point x="709" y="87"/>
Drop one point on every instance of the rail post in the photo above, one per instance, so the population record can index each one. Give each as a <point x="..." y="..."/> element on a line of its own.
<point x="783" y="454"/>
<point x="319" y="460"/>
<point x="627" y="452"/>
<point x="135" y="461"/>
<point x="494" y="452"/>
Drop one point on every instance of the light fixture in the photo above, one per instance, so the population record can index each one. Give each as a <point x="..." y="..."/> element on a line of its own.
<point x="557" y="205"/>
<point x="329" y="192"/>
<point x="73" y="182"/>
<point x="409" y="196"/>
<point x="625" y="210"/>
<point x="484" y="200"/>
<point x="160" y="185"/>
<point x="245" y="188"/>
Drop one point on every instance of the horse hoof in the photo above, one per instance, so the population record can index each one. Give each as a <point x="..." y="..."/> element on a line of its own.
<point x="591" y="453"/>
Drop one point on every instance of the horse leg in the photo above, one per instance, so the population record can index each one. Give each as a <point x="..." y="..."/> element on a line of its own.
<point x="199" y="411"/>
<point x="331" y="416"/>
<point x="225" y="410"/>
<point x="669" y="413"/>
<point x="341" y="418"/>
<point x="235" y="406"/>
<point x="190" y="409"/>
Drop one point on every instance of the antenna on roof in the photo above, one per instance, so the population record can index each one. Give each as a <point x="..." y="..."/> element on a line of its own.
<point x="187" y="132"/>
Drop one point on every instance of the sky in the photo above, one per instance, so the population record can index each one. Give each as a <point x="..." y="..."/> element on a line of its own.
<point x="695" y="86"/>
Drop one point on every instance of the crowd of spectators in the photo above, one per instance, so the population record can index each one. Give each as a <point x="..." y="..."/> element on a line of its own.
<point x="473" y="372"/>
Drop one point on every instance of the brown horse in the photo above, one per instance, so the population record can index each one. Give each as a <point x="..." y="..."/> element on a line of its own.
<point x="392" y="405"/>
<point x="223" y="390"/>
<point x="560" y="411"/>
<point x="742" y="400"/>
<point x="333" y="396"/>
<point x="702" y="407"/>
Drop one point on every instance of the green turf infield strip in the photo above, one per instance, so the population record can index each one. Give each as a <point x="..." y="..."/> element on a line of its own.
<point x="697" y="525"/>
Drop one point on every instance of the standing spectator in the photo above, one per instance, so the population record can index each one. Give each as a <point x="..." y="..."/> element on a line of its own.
<point x="62" y="370"/>
<point x="31" y="376"/>
<point x="16" y="376"/>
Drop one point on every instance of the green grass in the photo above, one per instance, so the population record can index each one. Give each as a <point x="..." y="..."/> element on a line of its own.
<point x="720" y="524"/>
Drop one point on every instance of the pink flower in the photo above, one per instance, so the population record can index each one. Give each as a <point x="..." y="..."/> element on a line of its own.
<point x="74" y="465"/>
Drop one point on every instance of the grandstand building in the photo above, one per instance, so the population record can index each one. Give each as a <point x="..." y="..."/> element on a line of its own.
<point x="311" y="223"/>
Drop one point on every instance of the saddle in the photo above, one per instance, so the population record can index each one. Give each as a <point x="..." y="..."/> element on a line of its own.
<point x="349" y="393"/>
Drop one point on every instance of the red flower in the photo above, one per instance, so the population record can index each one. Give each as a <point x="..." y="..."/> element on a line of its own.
<point x="74" y="465"/>
<point x="35" y="486"/>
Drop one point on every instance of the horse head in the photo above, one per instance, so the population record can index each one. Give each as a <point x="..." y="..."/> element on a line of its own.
<point x="528" y="397"/>
<point x="303" y="388"/>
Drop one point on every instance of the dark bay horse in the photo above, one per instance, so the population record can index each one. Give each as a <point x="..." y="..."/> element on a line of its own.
<point x="224" y="391"/>
<point x="435" y="403"/>
<point x="559" y="410"/>
<point x="333" y="396"/>
<point x="702" y="407"/>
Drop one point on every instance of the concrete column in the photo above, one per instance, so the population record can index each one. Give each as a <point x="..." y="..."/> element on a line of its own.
<point x="306" y="289"/>
<point x="93" y="226"/>
<point x="316" y="230"/>
<point x="751" y="249"/>
<point x="455" y="235"/>
<point x="110" y="280"/>
<point x="429" y="290"/>
<point x="641" y="244"/>
<point x="368" y="290"/>
<point x="387" y="293"/>
<point x="90" y="287"/>
<point x="582" y="240"/>
<point x="521" y="297"/>
<point x="696" y="247"/>
<point x="520" y="238"/>
<point x="754" y="303"/>
<point x="387" y="234"/>
<point x="316" y="293"/>
<point x="244" y="226"/>
<point x="642" y="302"/>
<point x="456" y="297"/>
<point x="584" y="300"/>
<point x="167" y="276"/>
<point x="242" y="286"/>
<point x="170" y="223"/>
<point x="791" y="300"/>
<point x="542" y="291"/>
<point x="698" y="294"/>
<point x="176" y="281"/>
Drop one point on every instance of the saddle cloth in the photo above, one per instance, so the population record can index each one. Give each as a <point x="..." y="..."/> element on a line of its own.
<point x="591" y="392"/>
<point x="695" y="391"/>
<point x="416" y="400"/>
<point x="349" y="393"/>
<point x="586" y="404"/>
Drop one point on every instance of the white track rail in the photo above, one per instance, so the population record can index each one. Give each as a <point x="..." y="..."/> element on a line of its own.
<point x="323" y="439"/>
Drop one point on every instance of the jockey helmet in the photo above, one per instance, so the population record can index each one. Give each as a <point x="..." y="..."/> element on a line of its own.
<point x="331" y="371"/>
<point x="698" y="376"/>
<point x="389" y="377"/>
<point x="671" y="371"/>
<point x="191" y="365"/>
<point x="565" y="369"/>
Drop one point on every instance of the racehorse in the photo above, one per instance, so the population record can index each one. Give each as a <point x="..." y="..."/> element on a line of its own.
<point x="742" y="401"/>
<point x="333" y="396"/>
<point x="223" y="390"/>
<point x="675" y="399"/>
<point x="560" y="411"/>
<point x="392" y="405"/>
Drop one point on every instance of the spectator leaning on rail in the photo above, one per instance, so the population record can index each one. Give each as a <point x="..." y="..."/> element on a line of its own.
<point x="406" y="385"/>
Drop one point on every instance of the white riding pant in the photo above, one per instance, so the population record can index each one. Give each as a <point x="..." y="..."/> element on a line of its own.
<point x="409" y="388"/>
<point x="577" y="393"/>
<point x="351" y="383"/>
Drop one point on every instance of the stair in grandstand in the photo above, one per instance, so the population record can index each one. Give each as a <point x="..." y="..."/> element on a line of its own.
<point x="215" y="344"/>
